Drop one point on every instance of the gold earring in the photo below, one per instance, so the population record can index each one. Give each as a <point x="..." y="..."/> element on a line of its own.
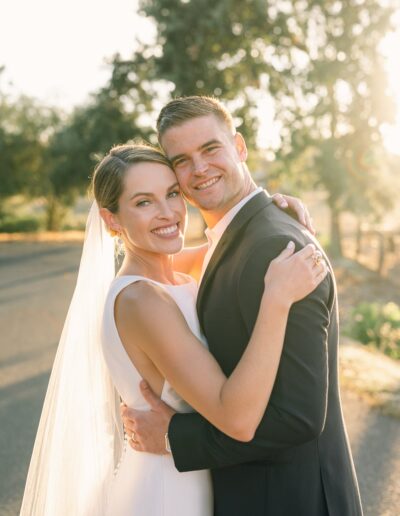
<point x="114" y="233"/>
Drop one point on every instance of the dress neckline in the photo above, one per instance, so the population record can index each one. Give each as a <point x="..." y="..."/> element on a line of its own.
<point x="190" y="281"/>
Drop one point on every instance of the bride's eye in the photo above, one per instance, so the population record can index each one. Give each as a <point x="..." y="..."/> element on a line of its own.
<point x="143" y="203"/>
<point x="175" y="193"/>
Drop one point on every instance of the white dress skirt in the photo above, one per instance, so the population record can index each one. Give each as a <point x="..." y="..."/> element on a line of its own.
<point x="145" y="484"/>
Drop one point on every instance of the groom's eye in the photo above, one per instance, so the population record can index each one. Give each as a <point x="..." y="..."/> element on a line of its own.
<point x="179" y="162"/>
<point x="212" y="148"/>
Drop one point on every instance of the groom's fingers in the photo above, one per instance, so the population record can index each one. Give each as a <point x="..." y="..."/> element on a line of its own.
<point x="280" y="201"/>
<point x="148" y="394"/>
<point x="309" y="222"/>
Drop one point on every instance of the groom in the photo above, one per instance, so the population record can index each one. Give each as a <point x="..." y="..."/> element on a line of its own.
<point x="299" y="462"/>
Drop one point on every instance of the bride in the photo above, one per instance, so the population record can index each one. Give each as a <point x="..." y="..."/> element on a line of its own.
<point x="143" y="324"/>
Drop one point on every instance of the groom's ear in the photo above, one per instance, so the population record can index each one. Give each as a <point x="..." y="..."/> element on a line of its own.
<point x="241" y="146"/>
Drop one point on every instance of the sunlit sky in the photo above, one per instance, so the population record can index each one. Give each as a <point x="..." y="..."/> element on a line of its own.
<point x="56" y="51"/>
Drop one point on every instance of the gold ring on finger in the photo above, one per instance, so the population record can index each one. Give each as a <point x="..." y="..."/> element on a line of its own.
<point x="316" y="258"/>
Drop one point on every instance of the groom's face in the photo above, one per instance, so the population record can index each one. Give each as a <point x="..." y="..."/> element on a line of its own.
<point x="208" y="161"/>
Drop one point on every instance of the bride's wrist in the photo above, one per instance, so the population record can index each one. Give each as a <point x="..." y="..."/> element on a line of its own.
<point x="276" y="299"/>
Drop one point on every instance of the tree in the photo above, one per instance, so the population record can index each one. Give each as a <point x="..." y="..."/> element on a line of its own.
<point x="340" y="100"/>
<point x="25" y="126"/>
<point x="76" y="147"/>
<point x="228" y="48"/>
<point x="319" y="60"/>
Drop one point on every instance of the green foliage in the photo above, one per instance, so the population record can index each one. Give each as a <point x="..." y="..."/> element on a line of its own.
<point x="76" y="147"/>
<point x="377" y="325"/>
<point x="229" y="48"/>
<point x="73" y="151"/>
<point x="339" y="102"/>
<point x="26" y="224"/>
<point x="320" y="62"/>
<point x="25" y="126"/>
<point x="45" y="154"/>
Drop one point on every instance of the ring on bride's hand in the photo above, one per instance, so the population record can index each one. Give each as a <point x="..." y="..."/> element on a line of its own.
<point x="133" y="437"/>
<point x="316" y="258"/>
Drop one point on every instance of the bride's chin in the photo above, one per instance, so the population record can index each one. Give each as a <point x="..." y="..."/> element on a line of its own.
<point x="175" y="247"/>
<point x="169" y="247"/>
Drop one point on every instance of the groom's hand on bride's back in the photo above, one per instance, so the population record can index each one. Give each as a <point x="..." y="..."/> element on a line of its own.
<point x="146" y="429"/>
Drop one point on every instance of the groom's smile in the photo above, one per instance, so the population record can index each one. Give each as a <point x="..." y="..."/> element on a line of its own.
<point x="204" y="185"/>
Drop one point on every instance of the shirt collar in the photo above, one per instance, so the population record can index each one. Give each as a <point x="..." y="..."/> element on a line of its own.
<point x="213" y="234"/>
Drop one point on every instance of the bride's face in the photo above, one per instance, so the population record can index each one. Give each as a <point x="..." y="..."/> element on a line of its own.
<point x="152" y="214"/>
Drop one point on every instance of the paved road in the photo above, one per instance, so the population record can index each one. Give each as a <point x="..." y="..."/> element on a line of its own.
<point x="36" y="283"/>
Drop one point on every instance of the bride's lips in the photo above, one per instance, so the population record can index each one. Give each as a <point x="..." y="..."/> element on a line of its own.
<point x="204" y="185"/>
<point x="167" y="231"/>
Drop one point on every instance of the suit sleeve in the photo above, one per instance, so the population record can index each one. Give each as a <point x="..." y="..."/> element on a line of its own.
<point x="297" y="407"/>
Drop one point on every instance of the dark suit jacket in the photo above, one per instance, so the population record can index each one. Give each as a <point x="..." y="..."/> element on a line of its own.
<point x="299" y="463"/>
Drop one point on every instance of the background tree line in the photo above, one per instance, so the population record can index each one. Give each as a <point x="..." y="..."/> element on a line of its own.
<point x="318" y="60"/>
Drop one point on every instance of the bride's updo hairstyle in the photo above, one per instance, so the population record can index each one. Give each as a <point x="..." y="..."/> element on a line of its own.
<point x="108" y="177"/>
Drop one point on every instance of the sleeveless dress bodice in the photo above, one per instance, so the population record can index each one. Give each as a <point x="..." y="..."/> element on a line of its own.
<point x="146" y="484"/>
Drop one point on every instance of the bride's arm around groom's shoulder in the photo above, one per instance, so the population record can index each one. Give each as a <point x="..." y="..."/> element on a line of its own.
<point x="298" y="403"/>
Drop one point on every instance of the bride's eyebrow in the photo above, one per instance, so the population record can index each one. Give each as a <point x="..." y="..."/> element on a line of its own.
<point x="150" y="194"/>
<point x="175" y="185"/>
<point x="138" y="194"/>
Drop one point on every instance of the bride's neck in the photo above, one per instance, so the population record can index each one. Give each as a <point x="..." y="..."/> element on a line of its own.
<point x="158" y="267"/>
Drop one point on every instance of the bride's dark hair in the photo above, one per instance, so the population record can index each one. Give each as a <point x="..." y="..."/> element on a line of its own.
<point x="108" y="177"/>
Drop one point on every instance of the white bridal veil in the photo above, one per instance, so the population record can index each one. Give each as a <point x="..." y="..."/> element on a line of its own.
<point x="79" y="438"/>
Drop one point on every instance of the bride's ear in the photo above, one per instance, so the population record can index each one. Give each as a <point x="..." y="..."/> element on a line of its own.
<point x="110" y="221"/>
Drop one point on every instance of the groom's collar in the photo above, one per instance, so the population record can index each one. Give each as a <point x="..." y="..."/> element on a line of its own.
<point x="230" y="235"/>
<point x="215" y="233"/>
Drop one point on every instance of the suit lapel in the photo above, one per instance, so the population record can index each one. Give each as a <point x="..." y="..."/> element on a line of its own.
<point x="257" y="203"/>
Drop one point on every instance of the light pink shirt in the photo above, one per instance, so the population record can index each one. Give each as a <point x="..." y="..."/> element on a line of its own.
<point x="214" y="234"/>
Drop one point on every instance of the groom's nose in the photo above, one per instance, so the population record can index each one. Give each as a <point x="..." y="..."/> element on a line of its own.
<point x="200" y="165"/>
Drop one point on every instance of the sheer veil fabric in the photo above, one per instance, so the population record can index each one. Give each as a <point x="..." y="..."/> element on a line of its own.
<point x="80" y="437"/>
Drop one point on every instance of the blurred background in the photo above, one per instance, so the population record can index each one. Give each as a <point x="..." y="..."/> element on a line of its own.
<point x="314" y="87"/>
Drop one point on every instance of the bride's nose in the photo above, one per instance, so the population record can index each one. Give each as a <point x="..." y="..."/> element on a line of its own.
<point x="164" y="211"/>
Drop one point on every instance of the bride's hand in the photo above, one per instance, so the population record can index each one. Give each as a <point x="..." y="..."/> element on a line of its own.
<point x="292" y="276"/>
<point x="287" y="202"/>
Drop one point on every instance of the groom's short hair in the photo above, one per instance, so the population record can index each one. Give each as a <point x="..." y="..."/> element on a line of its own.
<point x="182" y="109"/>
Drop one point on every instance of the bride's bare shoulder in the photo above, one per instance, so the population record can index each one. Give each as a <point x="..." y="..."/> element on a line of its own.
<point x="143" y="299"/>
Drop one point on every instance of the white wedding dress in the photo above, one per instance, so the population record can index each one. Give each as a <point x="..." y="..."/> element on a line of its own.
<point x="146" y="484"/>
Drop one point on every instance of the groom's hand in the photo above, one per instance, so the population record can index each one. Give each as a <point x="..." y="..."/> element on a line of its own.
<point x="146" y="429"/>
<point x="297" y="207"/>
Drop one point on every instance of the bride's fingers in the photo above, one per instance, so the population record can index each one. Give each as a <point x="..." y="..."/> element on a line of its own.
<point x="321" y="272"/>
<point x="287" y="252"/>
<point x="307" y="252"/>
<point x="316" y="258"/>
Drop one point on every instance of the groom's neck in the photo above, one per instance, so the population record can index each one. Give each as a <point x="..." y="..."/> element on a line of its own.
<point x="212" y="217"/>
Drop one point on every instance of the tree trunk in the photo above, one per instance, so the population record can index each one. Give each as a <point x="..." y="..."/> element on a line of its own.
<point x="55" y="214"/>
<point x="335" y="247"/>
